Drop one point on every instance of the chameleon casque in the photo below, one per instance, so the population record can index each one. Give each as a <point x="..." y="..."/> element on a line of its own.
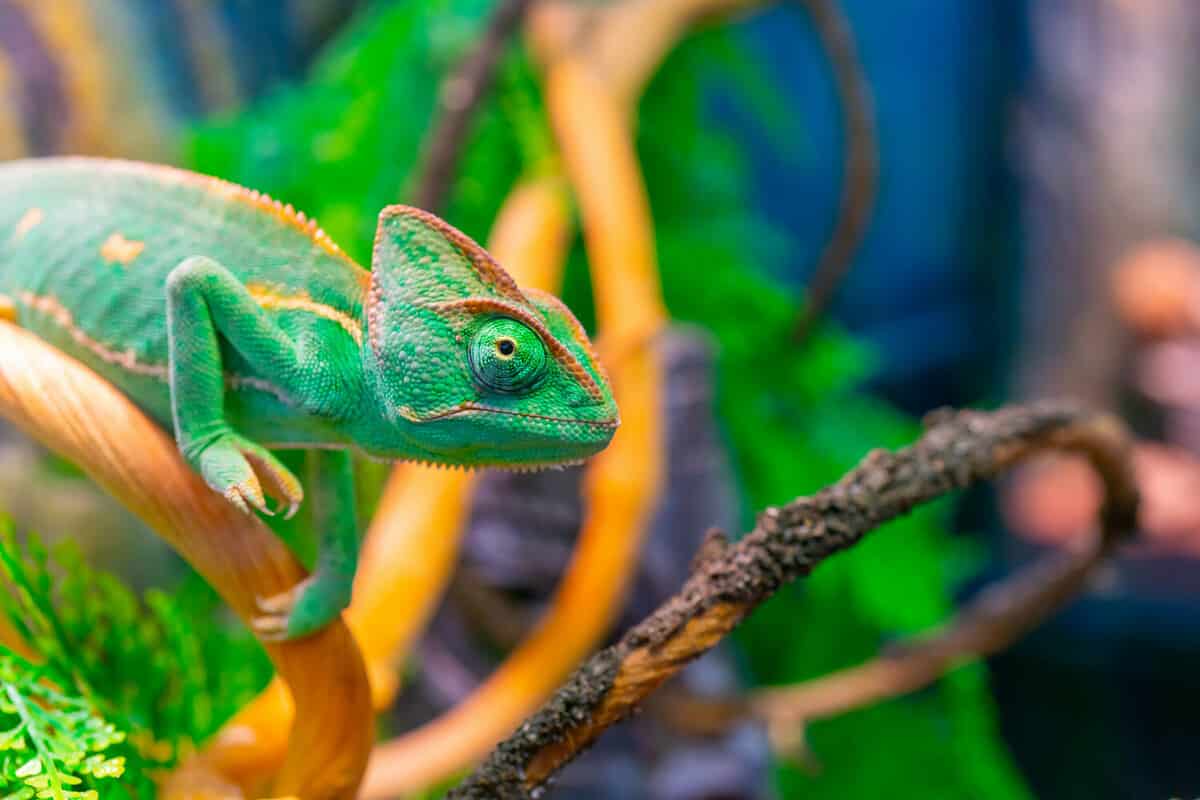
<point x="236" y="323"/>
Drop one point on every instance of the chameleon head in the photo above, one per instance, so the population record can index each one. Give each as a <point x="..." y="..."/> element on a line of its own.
<point x="467" y="369"/>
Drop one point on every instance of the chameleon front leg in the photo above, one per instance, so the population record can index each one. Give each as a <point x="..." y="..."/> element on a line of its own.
<point x="320" y="597"/>
<point x="204" y="298"/>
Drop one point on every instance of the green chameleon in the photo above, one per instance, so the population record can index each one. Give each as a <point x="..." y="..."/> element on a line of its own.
<point x="237" y="323"/>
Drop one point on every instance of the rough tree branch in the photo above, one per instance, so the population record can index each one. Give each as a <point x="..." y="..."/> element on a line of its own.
<point x="730" y="580"/>
<point x="993" y="620"/>
<point x="458" y="98"/>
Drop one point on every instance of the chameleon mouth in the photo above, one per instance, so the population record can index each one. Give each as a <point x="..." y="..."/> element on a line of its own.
<point x="547" y="441"/>
<point x="606" y="424"/>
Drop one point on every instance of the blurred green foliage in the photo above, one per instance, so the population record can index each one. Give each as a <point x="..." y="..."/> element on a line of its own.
<point x="122" y="682"/>
<point x="345" y="143"/>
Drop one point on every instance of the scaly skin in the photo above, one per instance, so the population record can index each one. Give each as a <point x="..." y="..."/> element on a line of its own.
<point x="237" y="324"/>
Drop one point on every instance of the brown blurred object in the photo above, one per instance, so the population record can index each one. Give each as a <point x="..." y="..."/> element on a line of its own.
<point x="1106" y="153"/>
<point x="1111" y="302"/>
<point x="1055" y="499"/>
<point x="1156" y="288"/>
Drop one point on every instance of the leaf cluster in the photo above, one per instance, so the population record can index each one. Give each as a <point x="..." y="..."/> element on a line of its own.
<point x="52" y="745"/>
<point x="121" y="686"/>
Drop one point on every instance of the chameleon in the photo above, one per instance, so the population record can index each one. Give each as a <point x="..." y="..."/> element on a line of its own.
<point x="238" y="325"/>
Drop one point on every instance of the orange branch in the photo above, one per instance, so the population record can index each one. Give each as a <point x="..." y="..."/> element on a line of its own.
<point x="623" y="43"/>
<point x="618" y="504"/>
<point x="408" y="556"/>
<point x="77" y="414"/>
<point x="622" y="483"/>
<point x="411" y="546"/>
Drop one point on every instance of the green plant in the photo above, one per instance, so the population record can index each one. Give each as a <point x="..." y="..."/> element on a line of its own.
<point x="139" y="682"/>
<point x="51" y="744"/>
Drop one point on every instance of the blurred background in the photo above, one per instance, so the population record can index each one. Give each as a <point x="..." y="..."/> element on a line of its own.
<point x="1031" y="233"/>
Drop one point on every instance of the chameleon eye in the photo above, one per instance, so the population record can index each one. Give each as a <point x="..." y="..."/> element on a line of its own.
<point x="506" y="356"/>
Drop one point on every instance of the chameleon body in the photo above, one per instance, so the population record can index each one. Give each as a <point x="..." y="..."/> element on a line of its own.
<point x="238" y="325"/>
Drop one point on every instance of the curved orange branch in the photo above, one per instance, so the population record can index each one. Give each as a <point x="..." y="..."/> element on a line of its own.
<point x="413" y="541"/>
<point x="578" y="617"/>
<point x="82" y="417"/>
<point x="623" y="43"/>
<point x="622" y="483"/>
<point x="408" y="556"/>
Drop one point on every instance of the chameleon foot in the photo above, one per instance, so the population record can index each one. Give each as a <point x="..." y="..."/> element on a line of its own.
<point x="240" y="469"/>
<point x="303" y="609"/>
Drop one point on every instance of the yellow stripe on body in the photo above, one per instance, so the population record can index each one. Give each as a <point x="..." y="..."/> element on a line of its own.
<point x="273" y="301"/>
<point x="126" y="359"/>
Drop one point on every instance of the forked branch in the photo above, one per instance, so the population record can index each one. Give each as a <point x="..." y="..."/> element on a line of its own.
<point x="730" y="580"/>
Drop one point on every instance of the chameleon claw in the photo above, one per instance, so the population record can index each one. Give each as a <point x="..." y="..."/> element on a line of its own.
<point x="278" y="481"/>
<point x="234" y="497"/>
<point x="280" y="604"/>
<point x="270" y="629"/>
<point x="303" y="609"/>
<point x="271" y="623"/>
<point x="247" y="494"/>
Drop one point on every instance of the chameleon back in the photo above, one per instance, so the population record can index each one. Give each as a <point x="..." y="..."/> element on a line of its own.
<point x="86" y="246"/>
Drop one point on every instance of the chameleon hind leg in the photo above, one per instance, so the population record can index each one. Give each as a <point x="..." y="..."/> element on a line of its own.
<point x="204" y="299"/>
<point x="320" y="597"/>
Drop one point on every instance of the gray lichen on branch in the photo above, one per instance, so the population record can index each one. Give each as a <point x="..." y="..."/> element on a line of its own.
<point x="958" y="450"/>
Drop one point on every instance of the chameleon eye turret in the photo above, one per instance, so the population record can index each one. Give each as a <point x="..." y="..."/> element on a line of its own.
<point x="506" y="356"/>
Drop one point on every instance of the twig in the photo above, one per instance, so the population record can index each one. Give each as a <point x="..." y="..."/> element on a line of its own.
<point x="958" y="450"/>
<point x="861" y="168"/>
<point x="458" y="98"/>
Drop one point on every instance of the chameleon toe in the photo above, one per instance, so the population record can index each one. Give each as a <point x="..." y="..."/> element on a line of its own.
<point x="277" y="479"/>
<point x="281" y="603"/>
<point x="269" y="628"/>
